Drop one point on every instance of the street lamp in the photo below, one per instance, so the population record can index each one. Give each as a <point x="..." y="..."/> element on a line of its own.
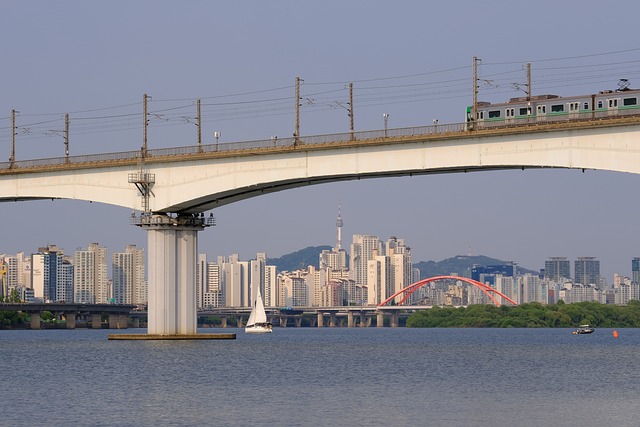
<point x="386" y="117"/>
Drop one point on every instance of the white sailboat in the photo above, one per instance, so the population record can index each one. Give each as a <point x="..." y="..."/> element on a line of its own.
<point x="258" y="323"/>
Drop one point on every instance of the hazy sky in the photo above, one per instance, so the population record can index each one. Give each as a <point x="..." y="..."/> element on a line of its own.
<point x="410" y="59"/>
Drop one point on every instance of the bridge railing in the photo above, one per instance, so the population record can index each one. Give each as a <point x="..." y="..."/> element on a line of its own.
<point x="274" y="142"/>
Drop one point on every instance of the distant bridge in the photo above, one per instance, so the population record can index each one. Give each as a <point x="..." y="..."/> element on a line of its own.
<point x="118" y="314"/>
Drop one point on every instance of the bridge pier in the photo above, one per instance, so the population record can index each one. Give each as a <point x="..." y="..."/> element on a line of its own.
<point x="96" y="321"/>
<point x="70" y="320"/>
<point x="223" y="321"/>
<point x="380" y="320"/>
<point x="349" y="319"/>
<point x="320" y="319"/>
<point x="35" y="320"/>
<point x="172" y="252"/>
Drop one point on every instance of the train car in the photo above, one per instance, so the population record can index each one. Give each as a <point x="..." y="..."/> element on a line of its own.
<point x="554" y="108"/>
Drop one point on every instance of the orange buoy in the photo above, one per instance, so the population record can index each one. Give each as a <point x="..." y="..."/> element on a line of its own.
<point x="615" y="334"/>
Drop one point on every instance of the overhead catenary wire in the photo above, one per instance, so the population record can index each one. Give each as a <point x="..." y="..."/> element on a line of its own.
<point x="428" y="86"/>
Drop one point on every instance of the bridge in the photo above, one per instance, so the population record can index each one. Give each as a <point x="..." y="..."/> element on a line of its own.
<point x="174" y="187"/>
<point x="117" y="314"/>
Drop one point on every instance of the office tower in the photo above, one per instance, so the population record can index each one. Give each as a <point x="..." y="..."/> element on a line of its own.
<point x="587" y="270"/>
<point x="557" y="269"/>
<point x="90" y="275"/>
<point x="129" y="286"/>
<point x="635" y="269"/>
<point x="363" y="249"/>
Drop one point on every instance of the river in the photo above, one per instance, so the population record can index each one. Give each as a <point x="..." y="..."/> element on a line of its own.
<point x="323" y="377"/>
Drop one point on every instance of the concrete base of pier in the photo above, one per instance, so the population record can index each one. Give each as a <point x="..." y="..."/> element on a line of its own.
<point x="139" y="337"/>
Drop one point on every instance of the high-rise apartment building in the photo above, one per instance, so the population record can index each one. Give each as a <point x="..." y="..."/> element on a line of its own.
<point x="363" y="249"/>
<point x="50" y="277"/>
<point x="90" y="275"/>
<point x="129" y="286"/>
<point x="587" y="270"/>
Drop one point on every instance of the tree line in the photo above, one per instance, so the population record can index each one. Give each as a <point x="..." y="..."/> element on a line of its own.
<point x="530" y="315"/>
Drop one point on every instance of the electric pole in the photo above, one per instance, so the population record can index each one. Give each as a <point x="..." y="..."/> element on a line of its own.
<point x="12" y="159"/>
<point x="474" y="107"/>
<point x="146" y="123"/>
<point x="296" y="132"/>
<point x="66" y="137"/>
<point x="199" y="124"/>
<point x="529" y="81"/>
<point x="351" y="111"/>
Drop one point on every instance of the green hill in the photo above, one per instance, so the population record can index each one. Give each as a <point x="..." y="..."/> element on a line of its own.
<point x="461" y="265"/>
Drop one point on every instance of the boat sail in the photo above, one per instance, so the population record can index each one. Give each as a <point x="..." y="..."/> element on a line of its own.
<point x="258" y="322"/>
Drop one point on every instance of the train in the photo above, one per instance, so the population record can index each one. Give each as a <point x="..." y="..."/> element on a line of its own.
<point x="554" y="108"/>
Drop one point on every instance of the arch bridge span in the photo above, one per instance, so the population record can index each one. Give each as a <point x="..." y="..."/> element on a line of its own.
<point x="486" y="289"/>
<point x="199" y="178"/>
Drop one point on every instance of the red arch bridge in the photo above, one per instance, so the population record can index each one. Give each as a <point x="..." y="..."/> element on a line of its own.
<point x="409" y="290"/>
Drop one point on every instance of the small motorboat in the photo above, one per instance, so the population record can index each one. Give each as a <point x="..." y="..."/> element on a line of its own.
<point x="583" y="329"/>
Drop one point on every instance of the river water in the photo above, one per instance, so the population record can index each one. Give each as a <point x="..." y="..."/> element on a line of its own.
<point x="323" y="377"/>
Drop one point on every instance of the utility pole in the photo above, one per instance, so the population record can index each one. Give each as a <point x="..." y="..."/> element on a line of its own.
<point x="474" y="107"/>
<point x="351" y="111"/>
<point x="529" y="81"/>
<point x="199" y="123"/>
<point x="12" y="159"/>
<point x="296" y="132"/>
<point x="146" y="123"/>
<point x="66" y="137"/>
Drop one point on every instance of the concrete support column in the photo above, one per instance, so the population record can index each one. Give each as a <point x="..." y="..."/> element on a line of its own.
<point x="172" y="251"/>
<point x="118" y="321"/>
<point x="136" y="322"/>
<point x="394" y="319"/>
<point x="96" y="321"/>
<point x="239" y="322"/>
<point x="224" y="321"/>
<point x="362" y="319"/>
<point x="380" y="320"/>
<point x="320" y="320"/>
<point x="35" y="320"/>
<point x="349" y="319"/>
<point x="70" y="320"/>
<point x="333" y="319"/>
<point x="298" y="321"/>
<point x="283" y="321"/>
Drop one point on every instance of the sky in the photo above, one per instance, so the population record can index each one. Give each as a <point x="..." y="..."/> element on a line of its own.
<point x="408" y="59"/>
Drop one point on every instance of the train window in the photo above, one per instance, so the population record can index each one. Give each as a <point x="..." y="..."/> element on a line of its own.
<point x="599" y="104"/>
<point x="542" y="109"/>
<point x="574" y="106"/>
<point x="494" y="114"/>
<point x="524" y="111"/>
<point x="630" y="101"/>
<point x="480" y="115"/>
<point x="613" y="103"/>
<point x="559" y="108"/>
<point x="510" y="112"/>
<point x="586" y="106"/>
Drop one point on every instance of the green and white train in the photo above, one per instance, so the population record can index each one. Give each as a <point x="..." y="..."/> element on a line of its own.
<point x="554" y="108"/>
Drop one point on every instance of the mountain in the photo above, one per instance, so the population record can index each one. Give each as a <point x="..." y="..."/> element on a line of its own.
<point x="299" y="259"/>
<point x="460" y="265"/>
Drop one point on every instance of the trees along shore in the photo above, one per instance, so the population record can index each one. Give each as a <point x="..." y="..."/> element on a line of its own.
<point x="530" y="315"/>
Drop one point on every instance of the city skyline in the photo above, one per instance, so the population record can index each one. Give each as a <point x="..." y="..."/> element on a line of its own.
<point x="100" y="59"/>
